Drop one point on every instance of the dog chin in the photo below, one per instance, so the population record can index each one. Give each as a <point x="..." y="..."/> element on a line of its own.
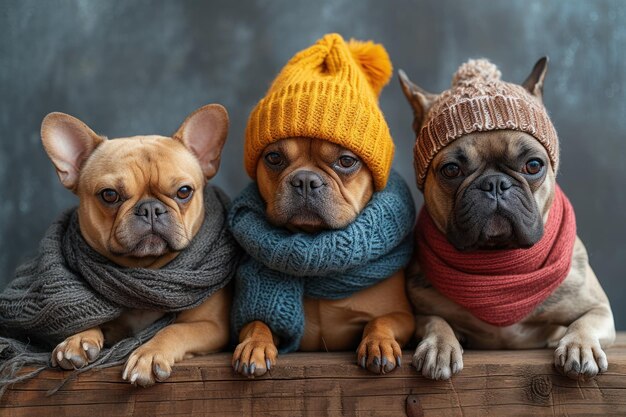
<point x="497" y="233"/>
<point x="496" y="244"/>
<point x="306" y="220"/>
<point x="484" y="243"/>
<point x="150" y="245"/>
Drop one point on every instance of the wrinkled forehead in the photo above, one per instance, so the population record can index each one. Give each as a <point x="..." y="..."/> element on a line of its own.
<point x="501" y="144"/>
<point x="307" y="147"/>
<point x="141" y="161"/>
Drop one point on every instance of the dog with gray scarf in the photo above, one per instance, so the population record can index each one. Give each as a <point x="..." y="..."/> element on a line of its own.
<point x="498" y="264"/>
<point x="141" y="267"/>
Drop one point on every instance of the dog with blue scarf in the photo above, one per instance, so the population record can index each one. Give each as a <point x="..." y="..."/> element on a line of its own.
<point x="326" y="224"/>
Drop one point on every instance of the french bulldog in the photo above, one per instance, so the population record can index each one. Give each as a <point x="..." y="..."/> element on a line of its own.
<point x="462" y="183"/>
<point x="140" y="205"/>
<point x="337" y="186"/>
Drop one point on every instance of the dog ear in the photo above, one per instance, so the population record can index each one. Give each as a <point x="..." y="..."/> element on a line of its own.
<point x="419" y="99"/>
<point x="534" y="82"/>
<point x="204" y="133"/>
<point x="68" y="142"/>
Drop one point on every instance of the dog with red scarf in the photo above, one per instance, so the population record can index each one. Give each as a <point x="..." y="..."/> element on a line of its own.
<point x="498" y="264"/>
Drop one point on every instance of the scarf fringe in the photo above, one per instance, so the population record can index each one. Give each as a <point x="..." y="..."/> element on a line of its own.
<point x="20" y="357"/>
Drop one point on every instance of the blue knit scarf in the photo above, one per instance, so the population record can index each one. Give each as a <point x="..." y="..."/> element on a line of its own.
<point x="283" y="267"/>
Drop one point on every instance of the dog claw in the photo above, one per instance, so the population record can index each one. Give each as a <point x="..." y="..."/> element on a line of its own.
<point x="160" y="373"/>
<point x="584" y="368"/>
<point x="398" y="361"/>
<point x="92" y="353"/>
<point x="77" y="361"/>
<point x="388" y="365"/>
<point x="376" y="363"/>
<point x="268" y="364"/>
<point x="236" y="365"/>
<point x="363" y="360"/>
<point x="252" y="368"/>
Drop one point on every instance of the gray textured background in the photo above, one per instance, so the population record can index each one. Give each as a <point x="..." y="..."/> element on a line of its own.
<point x="138" y="67"/>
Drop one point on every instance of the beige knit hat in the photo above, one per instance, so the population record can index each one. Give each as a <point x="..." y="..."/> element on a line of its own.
<point x="478" y="102"/>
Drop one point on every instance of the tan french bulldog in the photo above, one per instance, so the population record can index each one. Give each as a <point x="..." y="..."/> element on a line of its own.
<point x="140" y="205"/>
<point x="339" y="185"/>
<point x="491" y="187"/>
<point x="314" y="221"/>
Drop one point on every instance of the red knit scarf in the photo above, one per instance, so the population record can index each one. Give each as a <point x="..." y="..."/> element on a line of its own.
<point x="500" y="287"/>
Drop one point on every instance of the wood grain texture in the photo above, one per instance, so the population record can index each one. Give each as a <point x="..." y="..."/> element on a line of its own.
<point x="499" y="383"/>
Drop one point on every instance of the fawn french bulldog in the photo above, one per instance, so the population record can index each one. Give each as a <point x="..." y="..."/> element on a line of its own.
<point x="498" y="264"/>
<point x="325" y="224"/>
<point x="141" y="204"/>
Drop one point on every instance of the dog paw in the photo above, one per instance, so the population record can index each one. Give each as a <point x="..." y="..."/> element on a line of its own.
<point x="254" y="358"/>
<point x="437" y="358"/>
<point x="76" y="351"/>
<point x="580" y="357"/>
<point x="379" y="354"/>
<point x="147" y="365"/>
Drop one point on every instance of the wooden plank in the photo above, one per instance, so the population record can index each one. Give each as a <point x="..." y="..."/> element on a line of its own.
<point x="511" y="383"/>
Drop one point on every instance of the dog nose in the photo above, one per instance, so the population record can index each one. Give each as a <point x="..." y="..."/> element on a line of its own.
<point x="306" y="182"/>
<point x="150" y="210"/>
<point x="495" y="185"/>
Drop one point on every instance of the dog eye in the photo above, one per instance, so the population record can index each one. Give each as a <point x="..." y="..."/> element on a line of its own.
<point x="347" y="161"/>
<point x="110" y="196"/>
<point x="184" y="192"/>
<point x="274" y="158"/>
<point x="533" y="167"/>
<point x="451" y="170"/>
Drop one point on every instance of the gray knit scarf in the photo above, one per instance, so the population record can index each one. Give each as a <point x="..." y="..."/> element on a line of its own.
<point x="69" y="288"/>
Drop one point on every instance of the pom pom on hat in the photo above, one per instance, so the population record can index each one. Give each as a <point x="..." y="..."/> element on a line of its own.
<point x="476" y="70"/>
<point x="374" y="62"/>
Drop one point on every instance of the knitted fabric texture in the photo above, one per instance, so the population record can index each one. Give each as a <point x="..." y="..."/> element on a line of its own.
<point x="283" y="267"/>
<point x="478" y="102"/>
<point x="69" y="288"/>
<point x="500" y="287"/>
<point x="328" y="91"/>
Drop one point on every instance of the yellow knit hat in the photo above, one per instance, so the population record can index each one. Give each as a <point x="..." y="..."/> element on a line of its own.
<point x="328" y="91"/>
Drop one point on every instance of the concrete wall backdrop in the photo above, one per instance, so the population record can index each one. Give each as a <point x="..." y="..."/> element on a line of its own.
<point x="138" y="67"/>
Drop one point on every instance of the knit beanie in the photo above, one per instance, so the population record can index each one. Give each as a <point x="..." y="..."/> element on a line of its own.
<point x="328" y="91"/>
<point x="479" y="102"/>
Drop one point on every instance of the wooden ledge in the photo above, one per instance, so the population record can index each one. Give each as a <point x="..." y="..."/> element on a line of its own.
<point x="498" y="383"/>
